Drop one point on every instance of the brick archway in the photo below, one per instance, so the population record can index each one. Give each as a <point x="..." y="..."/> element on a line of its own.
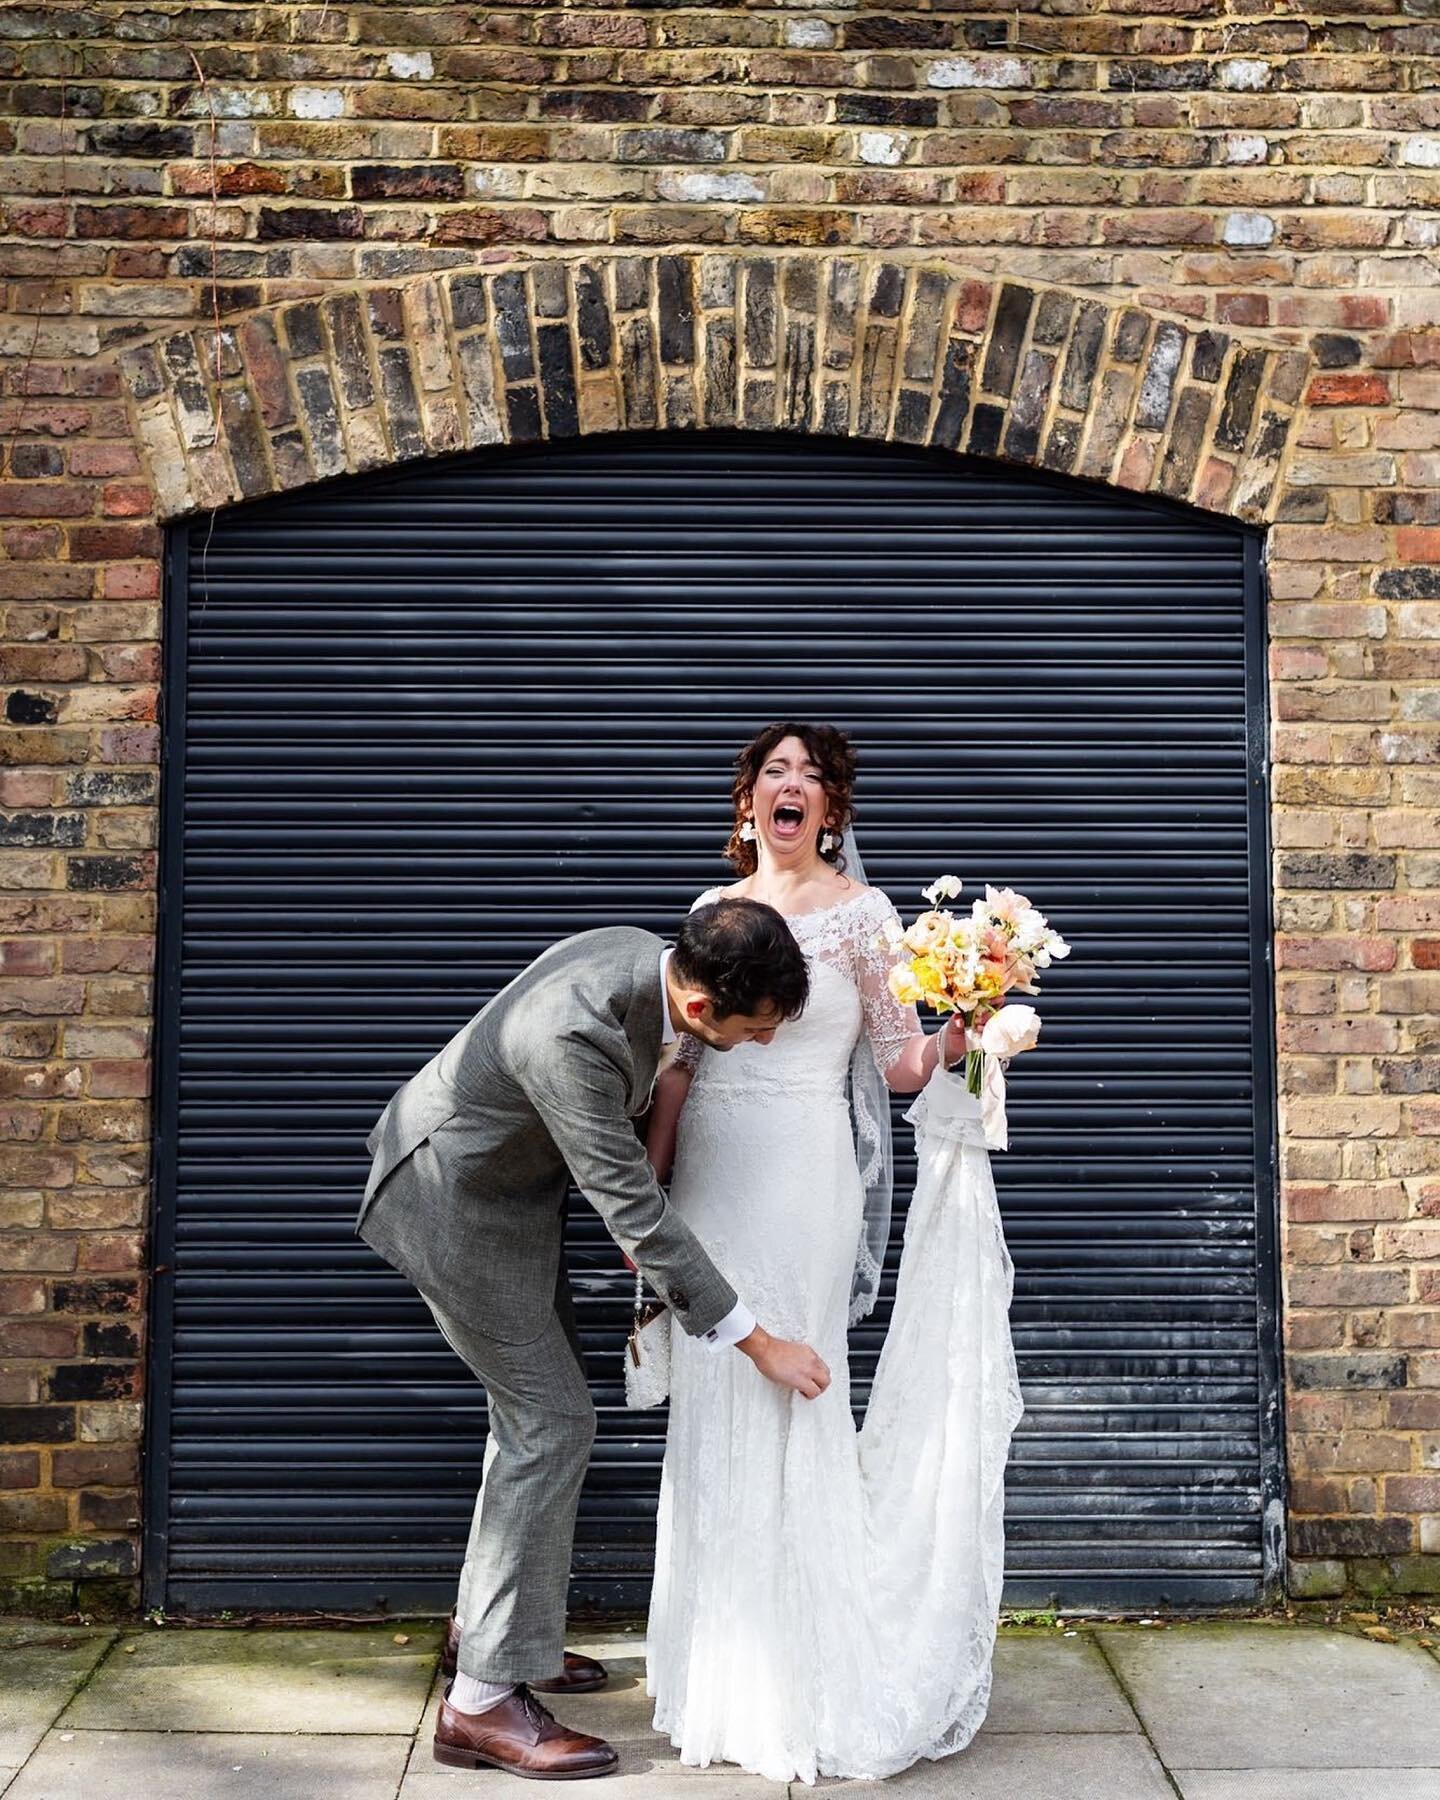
<point x="850" y="345"/>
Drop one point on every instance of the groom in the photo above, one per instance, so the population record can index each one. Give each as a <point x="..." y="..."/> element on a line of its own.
<point x="473" y="1160"/>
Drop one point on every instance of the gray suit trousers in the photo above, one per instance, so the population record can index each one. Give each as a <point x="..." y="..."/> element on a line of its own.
<point x="513" y="1587"/>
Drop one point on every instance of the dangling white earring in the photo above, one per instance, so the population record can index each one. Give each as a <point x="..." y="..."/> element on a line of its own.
<point x="828" y="842"/>
<point x="748" y="833"/>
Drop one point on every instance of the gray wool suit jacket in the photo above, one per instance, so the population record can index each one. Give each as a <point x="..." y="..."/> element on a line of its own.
<point x="474" y="1156"/>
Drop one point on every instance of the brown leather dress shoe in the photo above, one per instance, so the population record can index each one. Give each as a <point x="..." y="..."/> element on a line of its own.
<point x="582" y="1674"/>
<point x="519" y="1736"/>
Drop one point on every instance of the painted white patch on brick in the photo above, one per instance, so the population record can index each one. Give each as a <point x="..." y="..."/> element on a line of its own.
<point x="699" y="184"/>
<point x="1421" y="152"/>
<point x="809" y="34"/>
<point x="1241" y="147"/>
<point x="978" y="72"/>
<point x="1422" y="230"/>
<point x="411" y="65"/>
<point x="490" y="182"/>
<point x="1244" y="74"/>
<point x="886" y="147"/>
<point x="1254" y="229"/>
<point x="228" y="103"/>
<point x="317" y="103"/>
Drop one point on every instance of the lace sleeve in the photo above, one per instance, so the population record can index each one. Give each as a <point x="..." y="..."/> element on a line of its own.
<point x="888" y="1025"/>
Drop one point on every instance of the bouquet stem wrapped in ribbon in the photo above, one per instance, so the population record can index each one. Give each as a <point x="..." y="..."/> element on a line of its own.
<point x="970" y="964"/>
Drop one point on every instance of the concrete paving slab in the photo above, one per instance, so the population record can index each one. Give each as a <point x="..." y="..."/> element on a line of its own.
<point x="1307" y="1784"/>
<point x="43" y="1664"/>
<point x="1231" y="1696"/>
<point x="1049" y="1683"/>
<point x="325" y="1682"/>
<point x="78" y="1765"/>
<point x="1006" y="1765"/>
<point x="621" y="1715"/>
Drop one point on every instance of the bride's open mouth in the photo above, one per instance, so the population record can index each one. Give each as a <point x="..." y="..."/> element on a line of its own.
<point x="787" y="821"/>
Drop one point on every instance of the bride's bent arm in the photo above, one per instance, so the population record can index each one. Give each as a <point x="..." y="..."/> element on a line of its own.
<point x="915" y="1064"/>
<point x="904" y="1052"/>
<point x="670" y="1091"/>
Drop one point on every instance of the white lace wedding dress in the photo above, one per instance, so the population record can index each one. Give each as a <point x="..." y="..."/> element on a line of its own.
<point x="825" y="1600"/>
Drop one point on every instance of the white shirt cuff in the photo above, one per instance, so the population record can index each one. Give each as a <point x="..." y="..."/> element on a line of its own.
<point x="738" y="1323"/>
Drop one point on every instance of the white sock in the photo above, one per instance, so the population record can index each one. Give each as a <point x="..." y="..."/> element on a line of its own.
<point x="469" y="1695"/>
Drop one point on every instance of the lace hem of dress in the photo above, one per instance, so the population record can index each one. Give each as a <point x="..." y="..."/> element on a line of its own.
<point x="865" y="1289"/>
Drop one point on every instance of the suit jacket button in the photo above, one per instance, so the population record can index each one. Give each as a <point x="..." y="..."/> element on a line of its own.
<point x="679" y="1299"/>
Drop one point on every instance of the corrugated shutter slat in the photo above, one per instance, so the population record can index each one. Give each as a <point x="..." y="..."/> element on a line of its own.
<point x="432" y="720"/>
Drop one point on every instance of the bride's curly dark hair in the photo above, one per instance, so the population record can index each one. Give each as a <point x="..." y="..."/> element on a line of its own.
<point x="829" y="750"/>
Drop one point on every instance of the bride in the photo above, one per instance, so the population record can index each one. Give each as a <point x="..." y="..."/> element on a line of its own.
<point x="825" y="1600"/>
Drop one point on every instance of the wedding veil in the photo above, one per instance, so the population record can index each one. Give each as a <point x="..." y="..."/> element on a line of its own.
<point x="874" y="1149"/>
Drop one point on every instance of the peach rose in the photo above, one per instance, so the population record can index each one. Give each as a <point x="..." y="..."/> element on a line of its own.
<point x="928" y="932"/>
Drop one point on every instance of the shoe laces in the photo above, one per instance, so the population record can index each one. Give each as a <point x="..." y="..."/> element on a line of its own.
<point x="539" y="1716"/>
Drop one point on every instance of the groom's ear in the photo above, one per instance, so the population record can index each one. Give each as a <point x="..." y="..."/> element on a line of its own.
<point x="696" y="1006"/>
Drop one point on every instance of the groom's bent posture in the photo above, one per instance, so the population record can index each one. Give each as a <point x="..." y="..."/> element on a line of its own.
<point x="473" y="1160"/>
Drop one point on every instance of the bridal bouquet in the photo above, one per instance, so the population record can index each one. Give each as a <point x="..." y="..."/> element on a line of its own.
<point x="969" y="963"/>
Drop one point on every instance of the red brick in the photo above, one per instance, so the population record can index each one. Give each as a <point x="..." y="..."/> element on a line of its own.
<point x="46" y="500"/>
<point x="103" y="459"/>
<point x="26" y="787"/>
<point x="111" y="1253"/>
<point x="19" y="1469"/>
<point x="1243" y="309"/>
<point x="1348" y="390"/>
<point x="113" y="543"/>
<point x="111" y="1466"/>
<point x="38" y="1338"/>
<point x="127" y="500"/>
<point x="1418" y="544"/>
<point x="27" y="956"/>
<point x="131" y="222"/>
<point x="1364" y="312"/>
<point x="119" y="1079"/>
<point x="1413" y="1493"/>
<point x="1370" y="953"/>
<point x="1408" y="350"/>
<point x="131" y="581"/>
<point x="18" y="1295"/>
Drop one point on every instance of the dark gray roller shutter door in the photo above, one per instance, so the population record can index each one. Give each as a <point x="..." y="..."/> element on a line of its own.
<point x="421" y="725"/>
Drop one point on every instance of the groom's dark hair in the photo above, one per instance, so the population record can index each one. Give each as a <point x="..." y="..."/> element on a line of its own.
<point x="742" y="954"/>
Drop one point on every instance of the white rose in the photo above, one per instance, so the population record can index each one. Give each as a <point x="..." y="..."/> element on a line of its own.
<point x="1011" y="1030"/>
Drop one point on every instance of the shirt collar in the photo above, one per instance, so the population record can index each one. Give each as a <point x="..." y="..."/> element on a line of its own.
<point x="668" y="1033"/>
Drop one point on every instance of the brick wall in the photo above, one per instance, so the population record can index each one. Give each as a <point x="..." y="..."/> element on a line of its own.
<point x="1261" y="171"/>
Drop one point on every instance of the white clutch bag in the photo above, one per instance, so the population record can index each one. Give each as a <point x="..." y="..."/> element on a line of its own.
<point x="647" y="1352"/>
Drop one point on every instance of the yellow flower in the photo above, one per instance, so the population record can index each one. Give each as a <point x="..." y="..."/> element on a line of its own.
<point x="903" y="984"/>
<point x="929" y="975"/>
